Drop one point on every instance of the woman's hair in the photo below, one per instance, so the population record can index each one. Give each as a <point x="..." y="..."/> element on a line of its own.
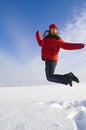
<point x="47" y="32"/>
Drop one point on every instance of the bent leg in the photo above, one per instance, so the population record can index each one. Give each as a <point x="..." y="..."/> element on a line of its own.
<point x="49" y="70"/>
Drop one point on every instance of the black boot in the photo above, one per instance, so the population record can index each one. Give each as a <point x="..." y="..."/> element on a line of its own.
<point x="69" y="83"/>
<point x="68" y="79"/>
<point x="73" y="77"/>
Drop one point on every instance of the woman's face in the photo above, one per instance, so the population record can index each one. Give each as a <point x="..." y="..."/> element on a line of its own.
<point x="53" y="31"/>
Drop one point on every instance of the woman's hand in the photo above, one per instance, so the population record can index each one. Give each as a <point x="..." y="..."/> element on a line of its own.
<point x="84" y="45"/>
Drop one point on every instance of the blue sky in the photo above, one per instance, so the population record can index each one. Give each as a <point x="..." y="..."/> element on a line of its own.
<point x="19" y="21"/>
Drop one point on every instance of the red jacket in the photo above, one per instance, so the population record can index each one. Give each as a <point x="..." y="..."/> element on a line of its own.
<point x="50" y="46"/>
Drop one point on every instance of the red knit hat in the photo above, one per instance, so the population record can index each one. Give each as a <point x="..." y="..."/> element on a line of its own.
<point x="53" y="26"/>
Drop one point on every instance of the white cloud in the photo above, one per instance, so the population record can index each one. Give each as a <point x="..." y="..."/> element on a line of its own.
<point x="11" y="72"/>
<point x="75" y="31"/>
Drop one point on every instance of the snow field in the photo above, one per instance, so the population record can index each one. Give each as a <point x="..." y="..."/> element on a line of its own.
<point x="48" y="107"/>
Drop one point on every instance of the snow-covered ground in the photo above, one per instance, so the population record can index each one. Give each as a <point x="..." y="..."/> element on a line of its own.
<point x="47" y="107"/>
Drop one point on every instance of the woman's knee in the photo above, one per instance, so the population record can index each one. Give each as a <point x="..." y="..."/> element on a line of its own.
<point x="49" y="78"/>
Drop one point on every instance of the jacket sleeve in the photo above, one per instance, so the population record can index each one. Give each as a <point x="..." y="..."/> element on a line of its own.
<point x="70" y="46"/>
<point x="39" y="38"/>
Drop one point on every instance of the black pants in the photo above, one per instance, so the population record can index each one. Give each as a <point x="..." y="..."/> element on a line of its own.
<point x="50" y="69"/>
